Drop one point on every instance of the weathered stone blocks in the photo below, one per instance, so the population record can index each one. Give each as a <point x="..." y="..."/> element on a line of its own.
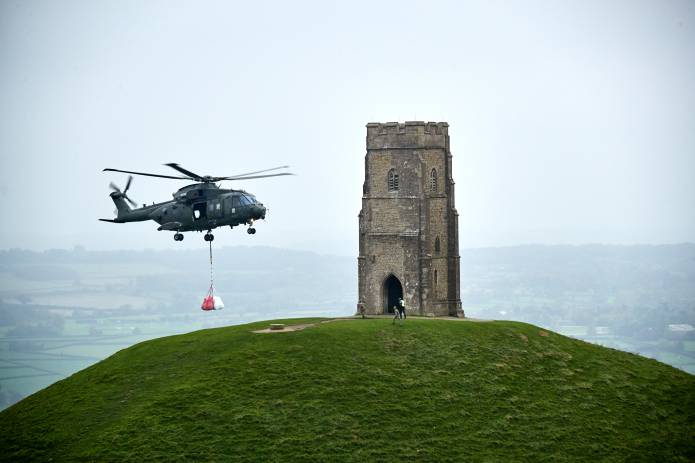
<point x="410" y="232"/>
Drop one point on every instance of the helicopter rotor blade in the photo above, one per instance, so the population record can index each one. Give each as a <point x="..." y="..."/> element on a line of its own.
<point x="146" y="174"/>
<point x="193" y="176"/>
<point x="132" y="203"/>
<point x="114" y="187"/>
<point x="127" y="184"/>
<point x="229" y="177"/>
<point x="190" y="174"/>
<point x="217" y="179"/>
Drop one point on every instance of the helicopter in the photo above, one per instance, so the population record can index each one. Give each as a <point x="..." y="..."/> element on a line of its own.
<point x="197" y="207"/>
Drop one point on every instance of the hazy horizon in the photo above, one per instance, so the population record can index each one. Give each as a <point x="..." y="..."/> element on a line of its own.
<point x="570" y="122"/>
<point x="320" y="251"/>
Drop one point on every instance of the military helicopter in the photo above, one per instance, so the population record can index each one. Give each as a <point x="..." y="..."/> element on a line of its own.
<point x="197" y="207"/>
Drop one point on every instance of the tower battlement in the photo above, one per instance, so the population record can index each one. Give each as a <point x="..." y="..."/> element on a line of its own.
<point x="409" y="134"/>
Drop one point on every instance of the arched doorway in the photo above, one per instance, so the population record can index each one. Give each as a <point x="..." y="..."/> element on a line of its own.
<point x="393" y="290"/>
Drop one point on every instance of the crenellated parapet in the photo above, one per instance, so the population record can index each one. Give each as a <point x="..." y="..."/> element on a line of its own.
<point x="407" y="135"/>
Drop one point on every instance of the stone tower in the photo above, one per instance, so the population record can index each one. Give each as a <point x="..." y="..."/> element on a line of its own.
<point x="408" y="224"/>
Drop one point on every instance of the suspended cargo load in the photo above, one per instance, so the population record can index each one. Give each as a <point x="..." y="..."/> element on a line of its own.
<point x="210" y="301"/>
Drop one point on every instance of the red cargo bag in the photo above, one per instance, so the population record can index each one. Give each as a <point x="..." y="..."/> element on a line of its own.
<point x="208" y="300"/>
<point x="208" y="303"/>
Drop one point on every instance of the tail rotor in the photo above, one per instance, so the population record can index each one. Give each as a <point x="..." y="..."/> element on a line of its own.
<point x="122" y="194"/>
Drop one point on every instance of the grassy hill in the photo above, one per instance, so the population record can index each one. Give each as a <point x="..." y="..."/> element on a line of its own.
<point x="361" y="390"/>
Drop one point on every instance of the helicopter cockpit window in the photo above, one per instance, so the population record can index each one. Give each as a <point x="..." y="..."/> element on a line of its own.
<point x="245" y="201"/>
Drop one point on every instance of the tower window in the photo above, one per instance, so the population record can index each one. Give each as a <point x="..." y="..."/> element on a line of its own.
<point x="393" y="180"/>
<point x="433" y="181"/>
<point x="435" y="279"/>
<point x="437" y="246"/>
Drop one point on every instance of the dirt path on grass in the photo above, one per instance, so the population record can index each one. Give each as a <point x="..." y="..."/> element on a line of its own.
<point x="302" y="326"/>
<point x="287" y="328"/>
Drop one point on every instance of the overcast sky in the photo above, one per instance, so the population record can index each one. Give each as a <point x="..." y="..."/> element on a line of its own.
<point x="570" y="122"/>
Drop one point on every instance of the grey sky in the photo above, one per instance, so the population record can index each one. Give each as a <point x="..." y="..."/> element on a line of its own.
<point x="571" y="122"/>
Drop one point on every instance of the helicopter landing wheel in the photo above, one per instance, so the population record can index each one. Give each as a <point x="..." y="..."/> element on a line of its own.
<point x="251" y="231"/>
<point x="178" y="237"/>
<point x="209" y="237"/>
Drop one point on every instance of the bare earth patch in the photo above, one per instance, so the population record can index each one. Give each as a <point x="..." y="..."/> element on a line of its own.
<point x="287" y="328"/>
<point x="299" y="327"/>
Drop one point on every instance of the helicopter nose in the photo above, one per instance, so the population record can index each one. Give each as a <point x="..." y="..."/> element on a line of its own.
<point x="260" y="211"/>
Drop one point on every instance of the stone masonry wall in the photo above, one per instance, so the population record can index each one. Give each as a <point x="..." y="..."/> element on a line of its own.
<point x="399" y="229"/>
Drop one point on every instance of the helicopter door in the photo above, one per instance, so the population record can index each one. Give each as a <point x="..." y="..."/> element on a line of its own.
<point x="235" y="204"/>
<point x="199" y="211"/>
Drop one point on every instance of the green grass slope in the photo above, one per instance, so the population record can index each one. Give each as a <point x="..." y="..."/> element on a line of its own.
<point x="361" y="390"/>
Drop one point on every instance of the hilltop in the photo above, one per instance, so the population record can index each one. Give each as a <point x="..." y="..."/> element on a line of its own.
<point x="361" y="390"/>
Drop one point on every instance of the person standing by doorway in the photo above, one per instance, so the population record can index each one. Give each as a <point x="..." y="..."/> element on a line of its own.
<point x="399" y="310"/>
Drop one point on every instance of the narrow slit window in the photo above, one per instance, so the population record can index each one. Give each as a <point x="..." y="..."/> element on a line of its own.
<point x="437" y="246"/>
<point x="393" y="180"/>
<point x="433" y="181"/>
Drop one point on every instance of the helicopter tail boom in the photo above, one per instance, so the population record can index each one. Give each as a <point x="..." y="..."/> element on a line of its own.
<point x="121" y="206"/>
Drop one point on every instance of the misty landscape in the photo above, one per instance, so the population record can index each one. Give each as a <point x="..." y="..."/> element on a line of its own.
<point x="518" y="177"/>
<point x="63" y="310"/>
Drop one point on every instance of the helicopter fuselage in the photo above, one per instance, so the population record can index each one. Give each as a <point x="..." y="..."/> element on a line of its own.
<point x="196" y="207"/>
